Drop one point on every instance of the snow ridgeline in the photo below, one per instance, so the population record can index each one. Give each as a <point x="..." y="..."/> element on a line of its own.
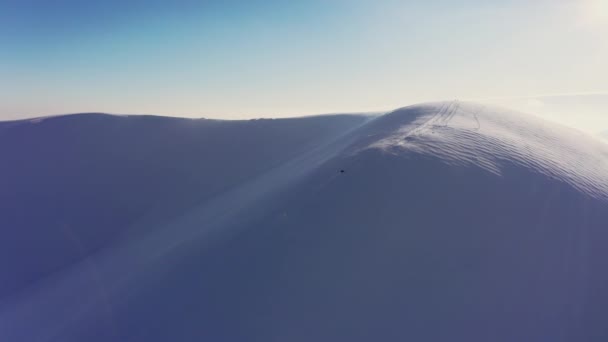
<point x="451" y="221"/>
<point x="455" y="134"/>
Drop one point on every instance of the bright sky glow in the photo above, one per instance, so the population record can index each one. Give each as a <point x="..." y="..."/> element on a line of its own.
<point x="595" y="12"/>
<point x="240" y="59"/>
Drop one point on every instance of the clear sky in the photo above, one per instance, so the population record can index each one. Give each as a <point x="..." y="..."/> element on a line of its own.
<point x="248" y="58"/>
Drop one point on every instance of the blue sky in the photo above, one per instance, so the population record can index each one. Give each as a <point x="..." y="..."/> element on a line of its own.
<point x="236" y="59"/>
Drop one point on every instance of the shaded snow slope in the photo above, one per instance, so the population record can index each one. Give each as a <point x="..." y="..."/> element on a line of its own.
<point x="70" y="184"/>
<point x="450" y="222"/>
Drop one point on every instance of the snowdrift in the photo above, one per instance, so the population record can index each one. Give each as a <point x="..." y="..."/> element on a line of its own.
<point x="438" y="222"/>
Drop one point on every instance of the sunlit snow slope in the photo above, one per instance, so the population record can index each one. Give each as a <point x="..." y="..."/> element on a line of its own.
<point x="438" y="222"/>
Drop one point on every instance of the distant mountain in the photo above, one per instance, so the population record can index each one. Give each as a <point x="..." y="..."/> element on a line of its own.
<point x="438" y="222"/>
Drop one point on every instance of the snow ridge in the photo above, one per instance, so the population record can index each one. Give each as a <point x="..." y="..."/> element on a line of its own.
<point x="469" y="134"/>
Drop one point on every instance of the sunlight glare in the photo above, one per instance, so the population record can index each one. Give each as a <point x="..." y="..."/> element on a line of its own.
<point x="595" y="12"/>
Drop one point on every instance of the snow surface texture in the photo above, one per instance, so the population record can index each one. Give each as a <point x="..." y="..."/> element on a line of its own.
<point x="450" y="222"/>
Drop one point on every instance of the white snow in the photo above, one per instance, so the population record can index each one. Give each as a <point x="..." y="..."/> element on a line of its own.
<point x="470" y="135"/>
<point x="451" y="221"/>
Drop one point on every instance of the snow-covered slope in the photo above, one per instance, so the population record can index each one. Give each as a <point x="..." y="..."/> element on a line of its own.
<point x="71" y="184"/>
<point x="439" y="222"/>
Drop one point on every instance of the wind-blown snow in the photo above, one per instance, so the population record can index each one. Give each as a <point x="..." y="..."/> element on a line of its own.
<point x="456" y="134"/>
<point x="450" y="222"/>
